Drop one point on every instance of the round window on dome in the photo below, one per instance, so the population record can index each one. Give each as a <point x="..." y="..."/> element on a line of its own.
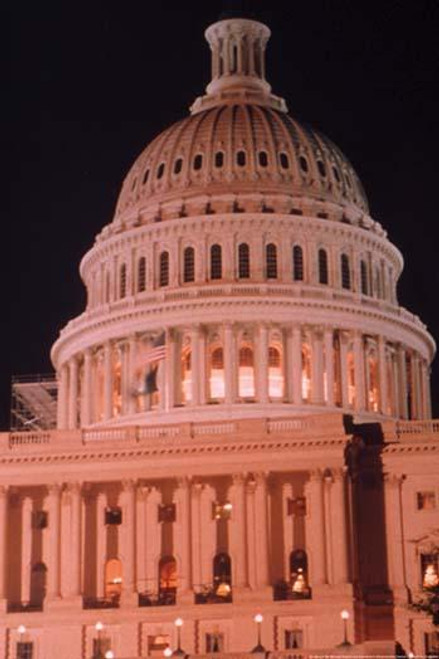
<point x="321" y="167"/>
<point x="241" y="158"/>
<point x="263" y="158"/>
<point x="303" y="164"/>
<point x="284" y="161"/>
<point x="160" y="170"/>
<point x="178" y="165"/>
<point x="145" y="177"/>
<point x="219" y="159"/>
<point x="198" y="162"/>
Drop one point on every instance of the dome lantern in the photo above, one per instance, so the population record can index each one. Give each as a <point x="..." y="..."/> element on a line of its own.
<point x="238" y="65"/>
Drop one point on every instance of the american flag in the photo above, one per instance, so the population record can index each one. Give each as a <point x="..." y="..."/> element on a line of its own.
<point x="157" y="350"/>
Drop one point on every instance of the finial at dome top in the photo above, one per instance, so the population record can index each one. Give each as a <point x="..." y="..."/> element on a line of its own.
<point x="238" y="64"/>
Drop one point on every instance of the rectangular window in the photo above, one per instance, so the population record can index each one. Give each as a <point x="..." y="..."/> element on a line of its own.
<point x="214" y="642"/>
<point x="25" y="650"/>
<point x="167" y="512"/>
<point x="293" y="639"/>
<point x="113" y="516"/>
<point x="426" y="500"/>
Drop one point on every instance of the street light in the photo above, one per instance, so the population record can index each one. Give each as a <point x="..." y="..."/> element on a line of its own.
<point x="344" y="615"/>
<point x="167" y="652"/>
<point x="179" y="652"/>
<point x="258" y="620"/>
<point x="109" y="654"/>
<point x="21" y="629"/>
<point x="99" y="626"/>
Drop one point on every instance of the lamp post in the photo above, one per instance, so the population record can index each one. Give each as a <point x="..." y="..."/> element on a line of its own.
<point x="167" y="652"/>
<point x="109" y="654"/>
<point x="179" y="652"/>
<point x="99" y="626"/>
<point x="344" y="615"/>
<point x="258" y="620"/>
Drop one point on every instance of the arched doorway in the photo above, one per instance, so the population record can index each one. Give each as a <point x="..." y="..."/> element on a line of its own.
<point x="167" y="580"/>
<point x="113" y="579"/>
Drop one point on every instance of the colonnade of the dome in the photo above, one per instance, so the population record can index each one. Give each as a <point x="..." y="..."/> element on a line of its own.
<point x="228" y="364"/>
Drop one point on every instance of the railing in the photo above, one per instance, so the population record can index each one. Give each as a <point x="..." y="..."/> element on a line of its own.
<point x="211" y="594"/>
<point x="164" y="597"/>
<point x="100" y="602"/>
<point x="283" y="591"/>
<point x="24" y="607"/>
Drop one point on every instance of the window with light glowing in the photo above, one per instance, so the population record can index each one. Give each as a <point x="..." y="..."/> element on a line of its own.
<point x="246" y="378"/>
<point x="186" y="376"/>
<point x="306" y="372"/>
<point x="351" y="378"/>
<point x="275" y="375"/>
<point x="113" y="579"/>
<point x="430" y="570"/>
<point x="373" y="390"/>
<point x="216" y="377"/>
<point x="117" y="384"/>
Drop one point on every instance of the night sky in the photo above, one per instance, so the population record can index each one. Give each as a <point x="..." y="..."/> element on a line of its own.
<point x="86" y="89"/>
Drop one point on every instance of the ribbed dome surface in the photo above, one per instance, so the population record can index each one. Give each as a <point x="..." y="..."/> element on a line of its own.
<point x="241" y="148"/>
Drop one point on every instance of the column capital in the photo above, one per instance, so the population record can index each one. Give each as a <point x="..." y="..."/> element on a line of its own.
<point x="184" y="482"/>
<point x="393" y="480"/>
<point x="129" y="485"/>
<point x="54" y="489"/>
<point x="74" y="487"/>
<point x="239" y="479"/>
<point x="315" y="475"/>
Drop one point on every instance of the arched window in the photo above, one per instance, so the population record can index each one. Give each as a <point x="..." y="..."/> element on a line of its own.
<point x="306" y="372"/>
<point x="275" y="376"/>
<point x="271" y="261"/>
<point x="141" y="274"/>
<point x="345" y="271"/>
<point x="323" y="266"/>
<point x="351" y="377"/>
<point x="219" y="159"/>
<point x="364" y="278"/>
<point x="216" y="379"/>
<point x="263" y="158"/>
<point x="113" y="579"/>
<point x="168" y="578"/>
<point x="123" y="280"/>
<point x="246" y="373"/>
<point x="178" y="165"/>
<point x="189" y="264"/>
<point x="241" y="158"/>
<point x="216" y="262"/>
<point x="198" y="161"/>
<point x="297" y="263"/>
<point x="164" y="269"/>
<point x="372" y="384"/>
<point x="186" y="376"/>
<point x="243" y="261"/>
<point x="222" y="576"/>
<point x="234" y="67"/>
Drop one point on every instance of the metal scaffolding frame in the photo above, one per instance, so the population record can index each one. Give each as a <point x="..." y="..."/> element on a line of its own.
<point x="33" y="402"/>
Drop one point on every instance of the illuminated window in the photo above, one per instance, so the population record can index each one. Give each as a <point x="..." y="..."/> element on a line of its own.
<point x="306" y="372"/>
<point x="323" y="266"/>
<point x="117" y="385"/>
<point x="222" y="575"/>
<point x="186" y="372"/>
<point x="216" y="380"/>
<point x="246" y="373"/>
<point x="351" y="378"/>
<point x="222" y="510"/>
<point x="271" y="261"/>
<point x="390" y="379"/>
<point x="164" y="269"/>
<point x="168" y="577"/>
<point x="345" y="271"/>
<point x="430" y="570"/>
<point x="123" y="281"/>
<point x="297" y="263"/>
<point x="426" y="500"/>
<point x="293" y="639"/>
<point x="299" y="573"/>
<point x="141" y="274"/>
<point x="364" y="278"/>
<point x="243" y="261"/>
<point x="275" y="376"/>
<point x="216" y="264"/>
<point x="189" y="264"/>
<point x="157" y="645"/>
<point x="373" y="389"/>
<point x="113" y="579"/>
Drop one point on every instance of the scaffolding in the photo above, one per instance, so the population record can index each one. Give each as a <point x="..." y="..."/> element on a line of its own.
<point x="33" y="402"/>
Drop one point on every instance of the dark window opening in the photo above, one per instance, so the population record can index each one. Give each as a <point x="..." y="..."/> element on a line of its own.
<point x="321" y="167"/>
<point x="178" y="165"/>
<point x="243" y="261"/>
<point x="164" y="269"/>
<point x="263" y="159"/>
<point x="241" y="158"/>
<point x="123" y="280"/>
<point x="145" y="177"/>
<point x="216" y="267"/>
<point x="297" y="263"/>
<point x="40" y="519"/>
<point x="160" y="170"/>
<point x="323" y="266"/>
<point x="198" y="161"/>
<point x="303" y="164"/>
<point x="345" y="272"/>
<point x="336" y="174"/>
<point x="167" y="512"/>
<point x="284" y="161"/>
<point x="219" y="159"/>
<point x="25" y="650"/>
<point x="113" y="516"/>
<point x="141" y="275"/>
<point x="189" y="264"/>
<point x="271" y="261"/>
<point x="364" y="278"/>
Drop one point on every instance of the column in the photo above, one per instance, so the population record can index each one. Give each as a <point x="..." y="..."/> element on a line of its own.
<point x="127" y="537"/>
<point x="101" y="543"/>
<point x="359" y="371"/>
<point x="237" y="531"/>
<point x="402" y="383"/>
<point x="87" y="389"/>
<point x="171" y="357"/>
<point x="382" y="374"/>
<point x="296" y="357"/>
<point x="315" y="528"/>
<point x="153" y="538"/>
<point x="340" y="568"/>
<point x="62" y="416"/>
<point x="262" y="365"/>
<point x="229" y="364"/>
<point x="108" y="382"/>
<point x="132" y="345"/>
<point x="142" y="494"/>
<point x="327" y="512"/>
<point x="394" y="535"/>
<point x="261" y="510"/>
<point x="208" y="533"/>
<point x="75" y="539"/>
<point x="125" y="377"/>
<point x="317" y="392"/>
<point x="251" y="533"/>
<point x="3" y="536"/>
<point x="328" y="341"/>
<point x="26" y="547"/>
<point x="288" y="527"/>
<point x="288" y="364"/>
<point x="53" y="548"/>
<point x="182" y="536"/>
<point x="344" y="369"/>
<point x="73" y="393"/>
<point x="415" y="387"/>
<point x="202" y="375"/>
<point x="195" y="364"/>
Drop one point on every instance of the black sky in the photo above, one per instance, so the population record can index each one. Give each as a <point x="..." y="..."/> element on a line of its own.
<point x="86" y="88"/>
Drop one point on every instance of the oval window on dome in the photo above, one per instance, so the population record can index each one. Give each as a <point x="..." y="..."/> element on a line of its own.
<point x="284" y="161"/>
<point x="303" y="164"/>
<point x="219" y="159"/>
<point x="178" y="165"/>
<point x="241" y="158"/>
<point x="160" y="170"/>
<point x="263" y="158"/>
<point x="198" y="162"/>
<point x="336" y="174"/>
<point x="321" y="167"/>
<point x="145" y="177"/>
